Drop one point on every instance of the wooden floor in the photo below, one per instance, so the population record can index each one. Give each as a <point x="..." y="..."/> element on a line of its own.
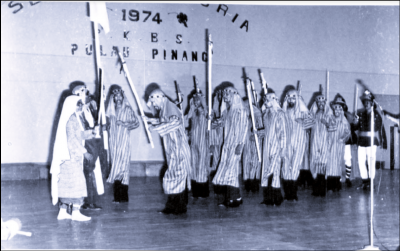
<point x="340" y="221"/>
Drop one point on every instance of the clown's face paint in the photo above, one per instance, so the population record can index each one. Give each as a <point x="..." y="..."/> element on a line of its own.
<point x="157" y="100"/>
<point x="321" y="105"/>
<point x="338" y="110"/>
<point x="291" y="100"/>
<point x="79" y="106"/>
<point x="268" y="99"/>
<point x="118" y="99"/>
<point x="228" y="95"/>
<point x="197" y="102"/>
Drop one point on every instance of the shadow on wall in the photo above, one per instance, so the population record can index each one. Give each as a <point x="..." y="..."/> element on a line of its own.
<point x="63" y="96"/>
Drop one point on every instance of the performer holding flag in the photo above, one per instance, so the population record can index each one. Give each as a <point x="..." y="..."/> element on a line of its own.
<point x="95" y="170"/>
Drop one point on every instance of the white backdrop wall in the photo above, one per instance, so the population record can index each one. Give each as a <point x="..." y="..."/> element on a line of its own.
<point x="43" y="51"/>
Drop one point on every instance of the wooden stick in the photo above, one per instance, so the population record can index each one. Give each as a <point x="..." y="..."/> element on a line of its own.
<point x="355" y="100"/>
<point x="264" y="83"/>
<point x="180" y="102"/>
<point x="252" y="120"/>
<point x="100" y="75"/>
<point x="327" y="86"/>
<point x="196" y="85"/>
<point x="254" y="93"/>
<point x="136" y="97"/>
<point x="210" y="46"/>
<point x="25" y="233"/>
<point x="298" y="87"/>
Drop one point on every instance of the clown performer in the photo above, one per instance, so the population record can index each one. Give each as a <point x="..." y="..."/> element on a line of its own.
<point x="68" y="181"/>
<point x="299" y="120"/>
<point x="275" y="149"/>
<point x="352" y="140"/>
<point x="234" y="121"/>
<point x="216" y="135"/>
<point x="199" y="146"/>
<point x="95" y="176"/>
<point x="122" y="120"/>
<point x="251" y="165"/>
<point x="321" y="140"/>
<point x="169" y="125"/>
<point x="337" y="151"/>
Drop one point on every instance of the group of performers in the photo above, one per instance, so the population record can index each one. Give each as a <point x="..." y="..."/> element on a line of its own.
<point x="297" y="146"/>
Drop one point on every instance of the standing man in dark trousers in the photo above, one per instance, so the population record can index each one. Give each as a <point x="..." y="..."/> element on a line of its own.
<point x="94" y="146"/>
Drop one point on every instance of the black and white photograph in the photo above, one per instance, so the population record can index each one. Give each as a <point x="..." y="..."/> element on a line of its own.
<point x="231" y="125"/>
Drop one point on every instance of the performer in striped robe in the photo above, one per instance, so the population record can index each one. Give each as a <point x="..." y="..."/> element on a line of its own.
<point x="251" y="165"/>
<point x="170" y="126"/>
<point x="340" y="136"/>
<point x="275" y="150"/>
<point x="217" y="134"/>
<point x="122" y="120"/>
<point x="320" y="142"/>
<point x="199" y="146"/>
<point x="234" y="121"/>
<point x="299" y="120"/>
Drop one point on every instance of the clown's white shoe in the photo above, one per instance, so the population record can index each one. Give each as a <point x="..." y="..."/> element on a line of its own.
<point x="63" y="215"/>
<point x="77" y="216"/>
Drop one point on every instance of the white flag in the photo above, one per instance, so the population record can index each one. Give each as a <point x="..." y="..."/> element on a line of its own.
<point x="98" y="14"/>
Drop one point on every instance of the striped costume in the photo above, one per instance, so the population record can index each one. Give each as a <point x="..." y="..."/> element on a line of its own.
<point x="321" y="139"/>
<point x="251" y="165"/>
<point x="276" y="144"/>
<point x="119" y="142"/>
<point x="234" y="122"/>
<point x="341" y="133"/>
<point x="122" y="121"/>
<point x="171" y="128"/>
<point x="199" y="146"/>
<point x="216" y="135"/>
<point x="299" y="120"/>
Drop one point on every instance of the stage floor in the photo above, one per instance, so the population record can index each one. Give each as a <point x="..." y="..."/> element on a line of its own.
<point x="340" y="221"/>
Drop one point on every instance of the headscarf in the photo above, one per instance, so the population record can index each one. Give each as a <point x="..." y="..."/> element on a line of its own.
<point x="168" y="108"/>
<point x="300" y="106"/>
<point x="82" y="92"/>
<point x="111" y="104"/>
<point x="192" y="105"/>
<point x="275" y="104"/>
<point x="236" y="100"/>
<point x="327" y="110"/>
<point x="60" y="150"/>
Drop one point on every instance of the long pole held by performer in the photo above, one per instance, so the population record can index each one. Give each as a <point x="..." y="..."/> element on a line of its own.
<point x="355" y="100"/>
<point x="327" y="86"/>
<point x="252" y="119"/>
<point x="264" y="83"/>
<point x="136" y="97"/>
<point x="100" y="73"/>
<point x="210" y="47"/>
<point x="180" y="100"/>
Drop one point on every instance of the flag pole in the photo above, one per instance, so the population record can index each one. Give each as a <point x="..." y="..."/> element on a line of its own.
<point x="101" y="114"/>
<point x="136" y="98"/>
<point x="210" y="47"/>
